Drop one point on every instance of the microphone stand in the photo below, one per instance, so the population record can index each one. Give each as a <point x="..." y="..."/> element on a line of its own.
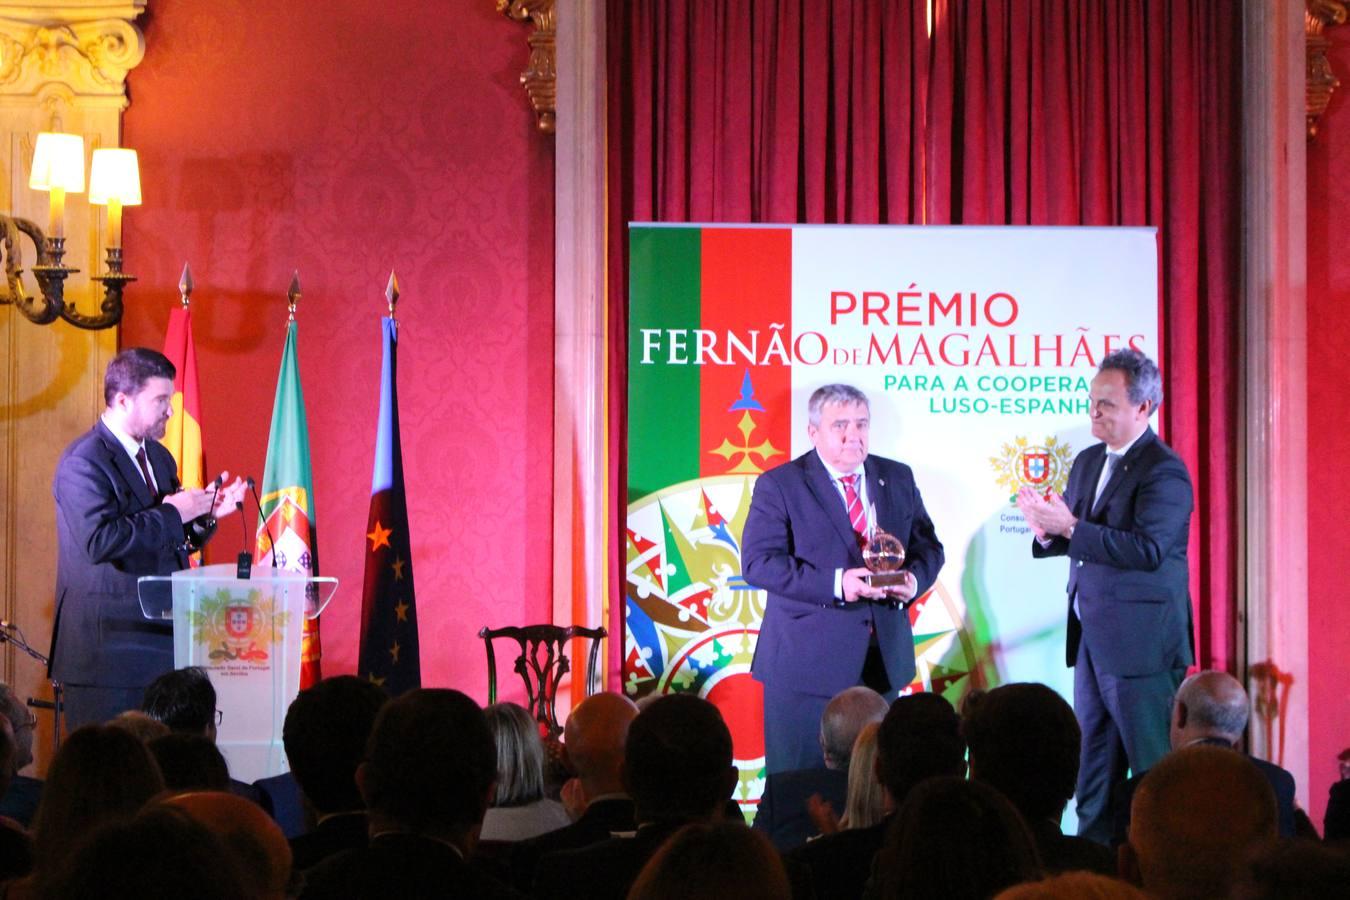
<point x="12" y="634"/>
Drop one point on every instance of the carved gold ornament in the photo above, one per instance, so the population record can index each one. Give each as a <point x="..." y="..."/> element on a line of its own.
<point x="540" y="78"/>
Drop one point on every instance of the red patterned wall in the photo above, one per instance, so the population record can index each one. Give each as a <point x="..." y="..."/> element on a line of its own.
<point x="1328" y="436"/>
<point x="343" y="138"/>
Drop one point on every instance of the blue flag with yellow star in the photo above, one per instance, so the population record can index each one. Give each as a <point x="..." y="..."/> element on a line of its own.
<point x="389" y="654"/>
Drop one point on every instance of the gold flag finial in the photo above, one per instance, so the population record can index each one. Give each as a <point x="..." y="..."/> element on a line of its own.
<point x="185" y="285"/>
<point x="293" y="294"/>
<point x="391" y="292"/>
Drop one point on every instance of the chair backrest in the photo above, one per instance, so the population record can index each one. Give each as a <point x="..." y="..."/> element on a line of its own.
<point x="541" y="664"/>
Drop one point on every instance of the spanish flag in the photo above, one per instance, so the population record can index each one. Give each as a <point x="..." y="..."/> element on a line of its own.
<point x="183" y="435"/>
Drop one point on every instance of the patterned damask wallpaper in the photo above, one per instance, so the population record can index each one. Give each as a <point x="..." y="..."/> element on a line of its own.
<point x="342" y="138"/>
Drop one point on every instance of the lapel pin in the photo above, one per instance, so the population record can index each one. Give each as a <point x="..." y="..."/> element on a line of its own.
<point x="881" y="482"/>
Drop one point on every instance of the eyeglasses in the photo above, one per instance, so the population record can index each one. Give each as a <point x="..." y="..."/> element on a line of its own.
<point x="220" y="717"/>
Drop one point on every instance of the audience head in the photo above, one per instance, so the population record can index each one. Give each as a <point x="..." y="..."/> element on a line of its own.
<point x="8" y="751"/>
<point x="326" y="731"/>
<point x="520" y="754"/>
<point x="21" y="722"/>
<point x="677" y="763"/>
<point x="256" y="843"/>
<point x="139" y="725"/>
<point x="1194" y="817"/>
<point x="184" y="700"/>
<point x="844" y="716"/>
<point x="1343" y="760"/>
<point x="1209" y="705"/>
<point x="163" y="853"/>
<point x="866" y="802"/>
<point x="711" y="861"/>
<point x="101" y="774"/>
<point x="1074" y="886"/>
<point x="1304" y="869"/>
<point x="593" y="742"/>
<point x="430" y="765"/>
<point x="955" y="839"/>
<point x="920" y="738"/>
<point x="1024" y="741"/>
<point x="190" y="762"/>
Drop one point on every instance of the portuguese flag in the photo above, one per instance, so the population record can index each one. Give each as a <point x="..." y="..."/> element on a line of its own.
<point x="712" y="297"/>
<point x="286" y="518"/>
<point x="183" y="434"/>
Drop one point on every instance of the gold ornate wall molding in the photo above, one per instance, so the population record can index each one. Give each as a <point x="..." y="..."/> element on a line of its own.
<point x="1318" y="16"/>
<point x="88" y="48"/>
<point x="540" y="78"/>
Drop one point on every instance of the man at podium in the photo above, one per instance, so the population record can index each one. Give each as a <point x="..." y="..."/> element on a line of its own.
<point x="120" y="514"/>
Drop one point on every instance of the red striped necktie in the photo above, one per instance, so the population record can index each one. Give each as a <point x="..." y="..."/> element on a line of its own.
<point x="857" y="517"/>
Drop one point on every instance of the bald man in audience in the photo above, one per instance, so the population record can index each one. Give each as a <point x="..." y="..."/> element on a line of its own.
<point x="1195" y="817"/>
<point x="783" y="814"/>
<point x="1210" y="708"/>
<point x="594" y="737"/>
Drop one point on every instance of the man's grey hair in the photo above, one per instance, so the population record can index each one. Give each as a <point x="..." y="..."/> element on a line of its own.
<point x="14" y="709"/>
<point x="1142" y="380"/>
<point x="1215" y="702"/>
<point x="832" y="393"/>
<point x="844" y="716"/>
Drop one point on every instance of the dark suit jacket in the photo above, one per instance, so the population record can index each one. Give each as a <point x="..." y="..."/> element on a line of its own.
<point x="796" y="535"/>
<point x="1062" y="852"/>
<point x="595" y="825"/>
<point x="1336" y="822"/>
<point x="345" y="831"/>
<point x="1128" y="560"/>
<point x="287" y="808"/>
<point x="401" y="867"/>
<point x="110" y="531"/>
<point x="841" y="863"/>
<point x="602" y="871"/>
<point x="782" y="814"/>
<point x="1281" y="781"/>
<point x="20" y="802"/>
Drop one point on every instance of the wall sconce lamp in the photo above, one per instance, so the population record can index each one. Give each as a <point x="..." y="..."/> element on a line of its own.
<point x="58" y="169"/>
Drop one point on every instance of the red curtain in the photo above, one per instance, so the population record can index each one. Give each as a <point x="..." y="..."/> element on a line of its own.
<point x="1057" y="112"/>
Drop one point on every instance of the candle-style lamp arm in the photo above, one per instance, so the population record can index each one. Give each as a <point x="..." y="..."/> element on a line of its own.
<point x="51" y="275"/>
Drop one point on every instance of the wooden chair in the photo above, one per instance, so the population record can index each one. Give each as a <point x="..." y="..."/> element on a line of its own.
<point x="541" y="664"/>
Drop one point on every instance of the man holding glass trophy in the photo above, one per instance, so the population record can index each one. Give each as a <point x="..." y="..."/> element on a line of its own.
<point x="842" y="543"/>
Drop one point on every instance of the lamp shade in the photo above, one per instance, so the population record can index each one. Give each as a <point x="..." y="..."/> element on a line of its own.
<point x="115" y="175"/>
<point x="58" y="162"/>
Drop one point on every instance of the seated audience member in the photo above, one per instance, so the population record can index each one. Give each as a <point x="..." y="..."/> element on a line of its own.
<point x="426" y="781"/>
<point x="139" y="725"/>
<point x="249" y="835"/>
<point x="1336" y="821"/>
<point x="326" y="731"/>
<point x="1301" y="869"/>
<point x="1210" y="708"/>
<point x="519" y="808"/>
<point x="1074" y="886"/>
<point x="706" y="861"/>
<point x="190" y="762"/>
<point x="678" y="769"/>
<point x="955" y="839"/>
<point x="185" y="701"/>
<point x="865" y="805"/>
<point x="1195" y="817"/>
<point x="920" y="738"/>
<point x="784" y="812"/>
<point x="100" y="775"/>
<point x="20" y="800"/>
<point x="16" y="848"/>
<point x="1025" y="742"/>
<point x="593" y="744"/>
<point x="161" y="853"/>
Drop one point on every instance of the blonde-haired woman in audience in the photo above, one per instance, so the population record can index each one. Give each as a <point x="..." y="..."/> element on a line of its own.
<point x="865" y="804"/>
<point x="519" y="808"/>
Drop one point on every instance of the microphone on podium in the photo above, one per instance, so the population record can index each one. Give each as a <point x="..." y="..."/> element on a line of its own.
<point x="245" y="566"/>
<point x="253" y="486"/>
